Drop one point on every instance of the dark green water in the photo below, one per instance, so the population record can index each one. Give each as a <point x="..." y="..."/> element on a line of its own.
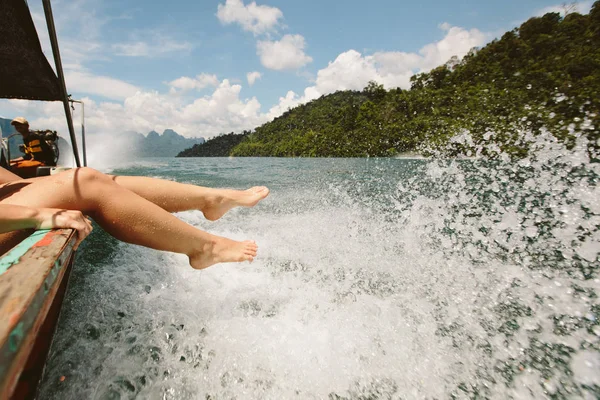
<point x="376" y="279"/>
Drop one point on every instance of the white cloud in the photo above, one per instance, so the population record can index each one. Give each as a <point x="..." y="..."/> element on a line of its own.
<point x="200" y="82"/>
<point x="78" y="30"/>
<point x="127" y="107"/>
<point x="252" y="17"/>
<point x="352" y="71"/>
<point x="394" y="68"/>
<point x="222" y="111"/>
<point x="80" y="81"/>
<point x="284" y="54"/>
<point x="457" y="42"/>
<point x="223" y="108"/>
<point x="290" y="100"/>
<point x="160" y="46"/>
<point x="444" y="26"/>
<point x="348" y="71"/>
<point x="582" y="7"/>
<point x="252" y="77"/>
<point x="287" y="53"/>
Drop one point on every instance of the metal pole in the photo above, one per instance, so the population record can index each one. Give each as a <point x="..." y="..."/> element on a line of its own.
<point x="61" y="77"/>
<point x="83" y="134"/>
<point x="82" y="129"/>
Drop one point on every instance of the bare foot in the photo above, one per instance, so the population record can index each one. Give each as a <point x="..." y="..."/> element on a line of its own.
<point x="221" y="249"/>
<point x="217" y="206"/>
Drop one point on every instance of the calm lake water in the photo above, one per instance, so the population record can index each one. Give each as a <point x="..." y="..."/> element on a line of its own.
<point x="375" y="279"/>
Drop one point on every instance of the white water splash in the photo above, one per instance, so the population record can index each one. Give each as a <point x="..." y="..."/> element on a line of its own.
<point x="409" y="279"/>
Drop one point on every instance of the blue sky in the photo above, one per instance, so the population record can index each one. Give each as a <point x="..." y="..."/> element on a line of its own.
<point x="206" y="67"/>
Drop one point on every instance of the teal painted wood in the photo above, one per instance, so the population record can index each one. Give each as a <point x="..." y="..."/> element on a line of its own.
<point x="46" y="255"/>
<point x="16" y="336"/>
<point x="13" y="256"/>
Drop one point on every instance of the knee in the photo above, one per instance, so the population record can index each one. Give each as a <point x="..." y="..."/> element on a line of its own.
<point x="88" y="175"/>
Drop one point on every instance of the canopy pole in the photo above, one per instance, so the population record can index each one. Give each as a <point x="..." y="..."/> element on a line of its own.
<point x="83" y="134"/>
<point x="61" y="77"/>
<point x="82" y="130"/>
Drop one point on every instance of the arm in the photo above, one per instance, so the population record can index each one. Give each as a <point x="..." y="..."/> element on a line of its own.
<point x="14" y="217"/>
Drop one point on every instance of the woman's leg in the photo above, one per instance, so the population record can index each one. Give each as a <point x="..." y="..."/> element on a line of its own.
<point x="7" y="176"/>
<point x="126" y="215"/>
<point x="174" y="196"/>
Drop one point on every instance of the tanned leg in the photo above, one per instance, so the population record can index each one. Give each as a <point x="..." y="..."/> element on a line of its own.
<point x="7" y="176"/>
<point x="174" y="196"/>
<point x="126" y="215"/>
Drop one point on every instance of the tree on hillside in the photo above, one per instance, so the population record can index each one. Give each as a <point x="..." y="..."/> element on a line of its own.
<point x="545" y="73"/>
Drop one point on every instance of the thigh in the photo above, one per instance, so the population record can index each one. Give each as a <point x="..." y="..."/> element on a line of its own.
<point x="46" y="192"/>
<point x="55" y="191"/>
<point x="7" y="176"/>
<point x="15" y="192"/>
<point x="9" y="240"/>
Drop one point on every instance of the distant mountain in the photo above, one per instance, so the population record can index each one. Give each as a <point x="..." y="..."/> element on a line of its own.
<point x="169" y="144"/>
<point x="6" y="129"/>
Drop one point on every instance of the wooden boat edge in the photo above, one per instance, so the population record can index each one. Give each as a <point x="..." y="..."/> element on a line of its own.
<point x="28" y="290"/>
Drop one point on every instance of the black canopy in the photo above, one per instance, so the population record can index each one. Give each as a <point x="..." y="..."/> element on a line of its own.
<point x="24" y="70"/>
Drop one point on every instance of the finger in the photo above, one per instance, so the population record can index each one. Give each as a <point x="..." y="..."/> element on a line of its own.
<point x="86" y="229"/>
<point x="86" y="225"/>
<point x="84" y="220"/>
<point x="80" y="236"/>
<point x="82" y="232"/>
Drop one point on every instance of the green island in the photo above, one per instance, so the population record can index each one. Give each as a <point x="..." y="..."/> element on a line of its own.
<point x="541" y="76"/>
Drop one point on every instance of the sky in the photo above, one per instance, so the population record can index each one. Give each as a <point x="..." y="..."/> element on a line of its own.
<point x="205" y="67"/>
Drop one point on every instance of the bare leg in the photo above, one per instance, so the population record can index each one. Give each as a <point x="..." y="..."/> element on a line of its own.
<point x="174" y="196"/>
<point x="125" y="215"/>
<point x="7" y="176"/>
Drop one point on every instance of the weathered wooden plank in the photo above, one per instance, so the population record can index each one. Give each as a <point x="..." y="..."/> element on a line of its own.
<point x="13" y="256"/>
<point x="27" y="290"/>
<point x="27" y="387"/>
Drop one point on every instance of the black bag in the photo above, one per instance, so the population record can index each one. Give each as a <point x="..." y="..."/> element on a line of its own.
<point x="51" y="139"/>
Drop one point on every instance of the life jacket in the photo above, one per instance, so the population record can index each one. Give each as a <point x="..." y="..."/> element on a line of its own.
<point x="32" y="147"/>
<point x="42" y="142"/>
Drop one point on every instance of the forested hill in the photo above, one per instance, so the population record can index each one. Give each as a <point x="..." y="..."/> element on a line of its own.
<point x="219" y="146"/>
<point x="546" y="73"/>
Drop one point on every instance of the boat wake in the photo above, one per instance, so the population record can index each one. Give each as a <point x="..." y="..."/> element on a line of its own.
<point x="375" y="279"/>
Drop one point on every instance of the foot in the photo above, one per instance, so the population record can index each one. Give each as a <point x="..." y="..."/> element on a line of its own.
<point x="217" y="206"/>
<point x="220" y="250"/>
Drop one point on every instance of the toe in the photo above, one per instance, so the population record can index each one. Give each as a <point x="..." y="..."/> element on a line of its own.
<point x="261" y="190"/>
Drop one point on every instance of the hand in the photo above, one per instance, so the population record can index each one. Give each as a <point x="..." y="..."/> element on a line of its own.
<point x="50" y="218"/>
